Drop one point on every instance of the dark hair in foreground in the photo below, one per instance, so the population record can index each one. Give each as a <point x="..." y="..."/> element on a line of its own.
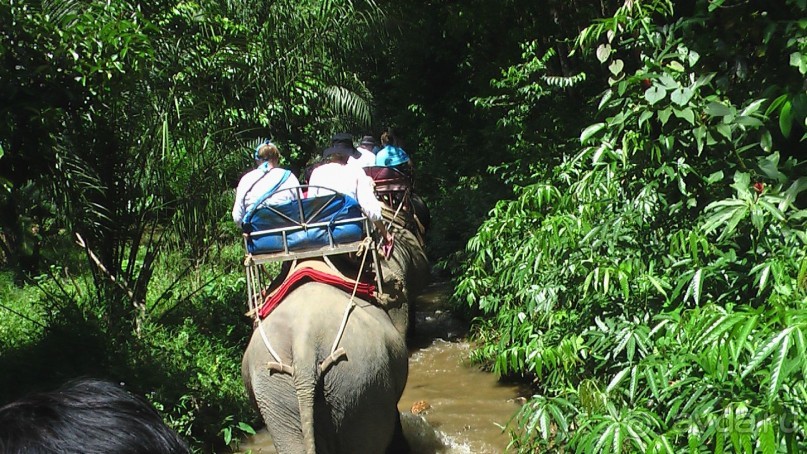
<point x="85" y="416"/>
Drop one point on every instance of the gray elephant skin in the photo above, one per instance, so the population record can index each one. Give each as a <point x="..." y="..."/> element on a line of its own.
<point x="322" y="405"/>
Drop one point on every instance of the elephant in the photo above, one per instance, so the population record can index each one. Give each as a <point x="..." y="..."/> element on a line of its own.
<point x="331" y="382"/>
<point x="326" y="405"/>
<point x="406" y="273"/>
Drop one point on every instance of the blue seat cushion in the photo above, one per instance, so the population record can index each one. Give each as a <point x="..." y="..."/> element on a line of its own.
<point x="296" y="216"/>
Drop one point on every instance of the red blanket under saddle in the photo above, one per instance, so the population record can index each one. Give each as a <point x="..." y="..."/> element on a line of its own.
<point x="363" y="290"/>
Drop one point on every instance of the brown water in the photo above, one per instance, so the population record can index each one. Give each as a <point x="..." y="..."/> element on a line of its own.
<point x="468" y="408"/>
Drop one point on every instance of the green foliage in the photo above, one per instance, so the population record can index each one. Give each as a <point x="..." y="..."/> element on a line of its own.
<point x="185" y="356"/>
<point x="651" y="284"/>
<point x="20" y="321"/>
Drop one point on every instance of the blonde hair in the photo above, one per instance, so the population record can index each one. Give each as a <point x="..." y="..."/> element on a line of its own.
<point x="338" y="157"/>
<point x="269" y="152"/>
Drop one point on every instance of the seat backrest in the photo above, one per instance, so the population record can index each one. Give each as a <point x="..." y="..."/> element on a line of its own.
<point x="302" y="212"/>
<point x="389" y="178"/>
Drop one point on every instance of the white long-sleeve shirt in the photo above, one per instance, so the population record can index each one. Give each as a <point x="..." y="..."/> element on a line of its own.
<point x="255" y="183"/>
<point x="346" y="179"/>
<point x="367" y="158"/>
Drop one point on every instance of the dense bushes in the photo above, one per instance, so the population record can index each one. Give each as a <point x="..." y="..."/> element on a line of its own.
<point x="124" y="127"/>
<point x="185" y="357"/>
<point x="652" y="283"/>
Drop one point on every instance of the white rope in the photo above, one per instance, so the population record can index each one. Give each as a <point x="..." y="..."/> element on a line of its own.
<point x="256" y="284"/>
<point x="351" y="304"/>
<point x="266" y="341"/>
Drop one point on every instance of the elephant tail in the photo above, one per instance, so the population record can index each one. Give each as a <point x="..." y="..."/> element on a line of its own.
<point x="306" y="380"/>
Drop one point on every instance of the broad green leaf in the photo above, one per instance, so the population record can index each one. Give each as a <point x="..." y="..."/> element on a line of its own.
<point x="603" y="52"/>
<point x="693" y="57"/>
<point x="799" y="61"/>
<point x="617" y="379"/>
<point x="737" y="216"/>
<point x="668" y="82"/>
<point x="657" y="284"/>
<point x="716" y="109"/>
<point x="685" y="114"/>
<point x="590" y="131"/>
<point x="720" y="442"/>
<point x="766" y="142"/>
<point x="742" y="184"/>
<point x="786" y="119"/>
<point x="618" y="439"/>
<point x="700" y="137"/>
<point x="646" y="115"/>
<point x="623" y="284"/>
<point x="717" y="219"/>
<point x="724" y="130"/>
<point x="675" y="65"/>
<point x="766" y="441"/>
<point x="695" y="285"/>
<point x="796" y="188"/>
<point x="769" y="165"/>
<point x="607" y="95"/>
<point x="763" y="279"/>
<point x="752" y="108"/>
<point x="246" y="428"/>
<point x="634" y="382"/>
<point x="765" y="350"/>
<point x="776" y="104"/>
<point x="682" y="185"/>
<point x="715" y="177"/>
<point x="772" y="209"/>
<point x="664" y="115"/>
<point x="681" y="95"/>
<point x="616" y="67"/>
<point x="654" y="94"/>
<point x="605" y="439"/>
<point x="741" y="335"/>
<point x="778" y="366"/>
<point x="716" y="329"/>
<point x="749" y="121"/>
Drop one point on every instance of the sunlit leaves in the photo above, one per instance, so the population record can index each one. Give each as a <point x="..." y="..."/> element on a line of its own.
<point x="672" y="250"/>
<point x="654" y="94"/>
<point x="590" y="132"/>
<point x="681" y="95"/>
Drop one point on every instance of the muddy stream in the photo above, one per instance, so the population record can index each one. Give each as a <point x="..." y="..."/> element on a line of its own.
<point x="448" y="406"/>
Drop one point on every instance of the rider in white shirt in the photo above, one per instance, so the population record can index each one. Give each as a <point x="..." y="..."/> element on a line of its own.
<point x="257" y="182"/>
<point x="351" y="180"/>
<point x="367" y="158"/>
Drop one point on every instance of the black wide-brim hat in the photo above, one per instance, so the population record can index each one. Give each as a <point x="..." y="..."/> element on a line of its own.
<point x="344" y="148"/>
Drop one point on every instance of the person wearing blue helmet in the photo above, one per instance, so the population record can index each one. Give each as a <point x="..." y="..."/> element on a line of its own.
<point x="390" y="155"/>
